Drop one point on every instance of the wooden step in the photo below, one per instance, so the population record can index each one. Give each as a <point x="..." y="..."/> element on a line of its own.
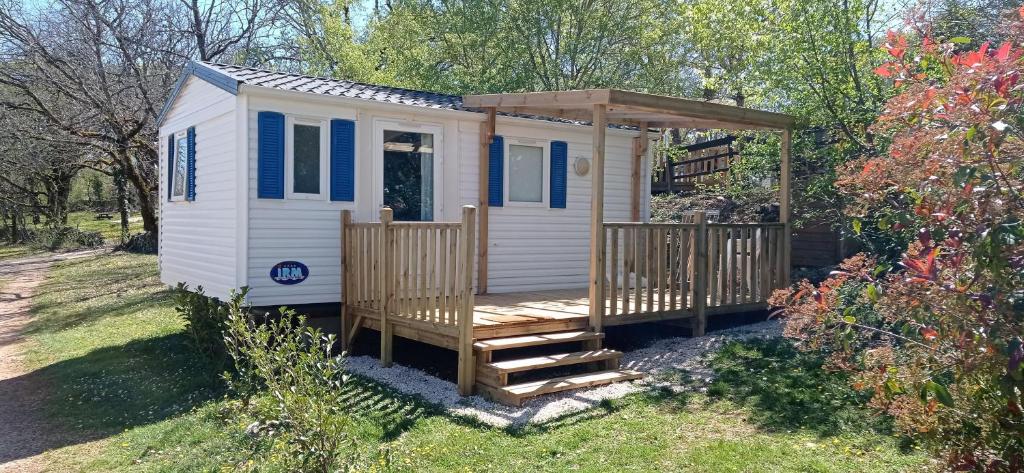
<point x="491" y="344"/>
<point x="517" y="393"/>
<point x="551" y="361"/>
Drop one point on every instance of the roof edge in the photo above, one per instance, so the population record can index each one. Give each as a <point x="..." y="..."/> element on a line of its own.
<point x="193" y="68"/>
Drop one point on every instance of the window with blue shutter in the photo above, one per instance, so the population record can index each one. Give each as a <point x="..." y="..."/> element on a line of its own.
<point x="190" y="179"/>
<point x="495" y="172"/>
<point x="170" y="166"/>
<point x="343" y="160"/>
<point x="559" y="171"/>
<point x="270" y="155"/>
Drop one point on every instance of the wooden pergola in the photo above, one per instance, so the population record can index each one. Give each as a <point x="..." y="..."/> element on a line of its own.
<point x="603" y="107"/>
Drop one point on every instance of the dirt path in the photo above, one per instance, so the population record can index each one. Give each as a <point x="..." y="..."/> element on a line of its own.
<point x="24" y="432"/>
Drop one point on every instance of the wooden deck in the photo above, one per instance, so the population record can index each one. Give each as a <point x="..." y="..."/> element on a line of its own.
<point x="414" y="280"/>
<point x="520" y="313"/>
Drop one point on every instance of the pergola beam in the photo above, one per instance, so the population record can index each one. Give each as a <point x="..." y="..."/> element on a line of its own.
<point x="628" y="106"/>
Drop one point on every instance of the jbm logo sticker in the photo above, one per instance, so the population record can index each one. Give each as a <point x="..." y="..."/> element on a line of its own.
<point x="289" y="272"/>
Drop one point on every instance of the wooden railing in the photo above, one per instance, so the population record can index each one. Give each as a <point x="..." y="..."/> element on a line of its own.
<point x="658" y="271"/>
<point x="744" y="262"/>
<point x="419" y="274"/>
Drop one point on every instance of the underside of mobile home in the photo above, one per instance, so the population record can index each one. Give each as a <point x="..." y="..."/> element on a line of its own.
<point x="478" y="223"/>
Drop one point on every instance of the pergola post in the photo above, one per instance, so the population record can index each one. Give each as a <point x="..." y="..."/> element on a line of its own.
<point x="599" y="127"/>
<point x="639" y="151"/>
<point x="785" y="196"/>
<point x="486" y="136"/>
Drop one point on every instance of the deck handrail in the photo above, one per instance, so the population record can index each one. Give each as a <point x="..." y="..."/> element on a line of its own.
<point x="415" y="273"/>
<point x="681" y="269"/>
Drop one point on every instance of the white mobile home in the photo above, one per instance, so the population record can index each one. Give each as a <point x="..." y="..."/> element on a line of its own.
<point x="477" y="223"/>
<point x="258" y="165"/>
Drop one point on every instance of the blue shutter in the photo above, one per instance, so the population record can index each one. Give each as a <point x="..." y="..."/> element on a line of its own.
<point x="343" y="160"/>
<point x="559" y="169"/>
<point x="170" y="166"/>
<point x="496" y="172"/>
<point x="190" y="181"/>
<point x="270" y="156"/>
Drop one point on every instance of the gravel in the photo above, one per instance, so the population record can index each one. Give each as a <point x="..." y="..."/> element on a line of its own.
<point x="665" y="361"/>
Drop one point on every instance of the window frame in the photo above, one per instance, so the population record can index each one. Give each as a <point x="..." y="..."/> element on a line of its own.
<point x="545" y="147"/>
<point x="183" y="155"/>
<point x="289" y="157"/>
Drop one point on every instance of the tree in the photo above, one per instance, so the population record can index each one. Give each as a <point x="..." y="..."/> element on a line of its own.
<point x="471" y="46"/>
<point x="98" y="72"/>
<point x="38" y="173"/>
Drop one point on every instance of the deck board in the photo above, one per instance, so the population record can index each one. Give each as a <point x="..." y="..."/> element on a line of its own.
<point x="524" y="313"/>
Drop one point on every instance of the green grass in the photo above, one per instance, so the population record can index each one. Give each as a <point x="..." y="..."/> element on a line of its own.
<point x="110" y="229"/>
<point x="8" y="251"/>
<point x="85" y="221"/>
<point x="122" y="376"/>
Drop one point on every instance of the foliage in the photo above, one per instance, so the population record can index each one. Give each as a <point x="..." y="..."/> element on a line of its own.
<point x="205" y="320"/>
<point x="470" y="46"/>
<point x="54" y="238"/>
<point x="303" y="416"/>
<point x="144" y="243"/>
<point x="938" y="340"/>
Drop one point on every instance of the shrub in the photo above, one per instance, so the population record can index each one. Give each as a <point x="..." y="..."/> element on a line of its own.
<point x="144" y="243"/>
<point x="937" y="341"/>
<point x="205" y="320"/>
<point x="56" y="238"/>
<point x="296" y="365"/>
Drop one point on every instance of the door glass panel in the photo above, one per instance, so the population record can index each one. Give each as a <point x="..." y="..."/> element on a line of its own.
<point x="525" y="173"/>
<point x="306" y="173"/>
<point x="409" y="175"/>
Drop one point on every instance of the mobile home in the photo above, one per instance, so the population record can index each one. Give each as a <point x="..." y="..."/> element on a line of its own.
<point x="476" y="223"/>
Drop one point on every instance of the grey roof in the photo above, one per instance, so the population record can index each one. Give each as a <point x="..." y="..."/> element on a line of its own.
<point x="228" y="77"/>
<point x="336" y="87"/>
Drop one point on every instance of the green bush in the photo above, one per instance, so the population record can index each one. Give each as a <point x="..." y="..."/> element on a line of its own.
<point x="64" y="237"/>
<point x="143" y="243"/>
<point x="291" y="381"/>
<point x="205" y="320"/>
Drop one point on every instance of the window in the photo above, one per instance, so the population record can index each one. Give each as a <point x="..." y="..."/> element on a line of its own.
<point x="180" y="171"/>
<point x="306" y="159"/>
<point x="525" y="173"/>
<point x="306" y="175"/>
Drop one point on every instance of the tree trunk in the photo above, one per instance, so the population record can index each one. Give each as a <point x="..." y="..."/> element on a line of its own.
<point x="122" y="203"/>
<point x="147" y="200"/>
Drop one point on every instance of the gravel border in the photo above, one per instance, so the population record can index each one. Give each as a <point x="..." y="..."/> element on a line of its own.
<point x="672" y="355"/>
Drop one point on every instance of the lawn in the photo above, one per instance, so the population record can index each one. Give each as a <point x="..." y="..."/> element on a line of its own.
<point x="110" y="229"/>
<point x="123" y="377"/>
<point x="85" y="221"/>
<point x="17" y="251"/>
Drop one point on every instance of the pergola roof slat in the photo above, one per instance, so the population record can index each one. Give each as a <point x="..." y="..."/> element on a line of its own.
<point x="631" y="108"/>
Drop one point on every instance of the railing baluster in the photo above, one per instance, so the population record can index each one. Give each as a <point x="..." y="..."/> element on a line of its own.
<point x="638" y="236"/>
<point x="613" y="291"/>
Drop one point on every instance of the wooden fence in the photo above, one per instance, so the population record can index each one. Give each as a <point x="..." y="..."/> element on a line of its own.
<point x="656" y="271"/>
<point x="418" y="274"/>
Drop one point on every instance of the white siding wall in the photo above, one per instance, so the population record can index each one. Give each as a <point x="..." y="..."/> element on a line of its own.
<point x="308" y="230"/>
<point x="531" y="248"/>
<point x="198" y="238"/>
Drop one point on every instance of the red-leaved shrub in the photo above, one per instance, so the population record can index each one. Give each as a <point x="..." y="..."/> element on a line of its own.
<point x="937" y="338"/>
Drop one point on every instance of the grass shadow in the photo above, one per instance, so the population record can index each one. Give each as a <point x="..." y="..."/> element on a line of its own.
<point x="86" y="292"/>
<point x="787" y="389"/>
<point x="114" y="388"/>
